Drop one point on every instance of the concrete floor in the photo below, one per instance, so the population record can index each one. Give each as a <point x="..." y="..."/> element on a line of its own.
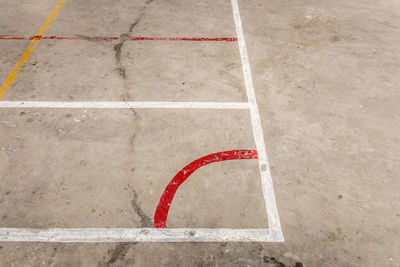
<point x="326" y="75"/>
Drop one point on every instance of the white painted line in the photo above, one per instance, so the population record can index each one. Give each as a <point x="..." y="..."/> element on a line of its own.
<point x="137" y="235"/>
<point x="266" y="180"/>
<point x="122" y="104"/>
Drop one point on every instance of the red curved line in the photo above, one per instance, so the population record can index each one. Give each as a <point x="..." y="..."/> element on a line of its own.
<point x="160" y="217"/>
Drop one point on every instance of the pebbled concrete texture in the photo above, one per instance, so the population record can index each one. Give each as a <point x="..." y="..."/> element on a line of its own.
<point x="326" y="76"/>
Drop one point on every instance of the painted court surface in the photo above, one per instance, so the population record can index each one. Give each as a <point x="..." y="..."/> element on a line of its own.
<point x="133" y="133"/>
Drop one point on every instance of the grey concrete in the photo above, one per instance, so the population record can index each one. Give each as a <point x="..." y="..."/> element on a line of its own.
<point x="86" y="166"/>
<point x="326" y="75"/>
<point x="143" y="71"/>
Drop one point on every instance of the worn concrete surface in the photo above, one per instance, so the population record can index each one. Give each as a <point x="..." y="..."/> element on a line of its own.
<point x="326" y="75"/>
<point x="86" y="166"/>
<point x="138" y="71"/>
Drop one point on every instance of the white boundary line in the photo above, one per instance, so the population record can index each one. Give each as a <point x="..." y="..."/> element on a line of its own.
<point x="121" y="105"/>
<point x="266" y="179"/>
<point x="136" y="235"/>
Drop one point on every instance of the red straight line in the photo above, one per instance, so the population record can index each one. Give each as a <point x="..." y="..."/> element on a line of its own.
<point x="198" y="39"/>
<point x="160" y="217"/>
<point x="99" y="38"/>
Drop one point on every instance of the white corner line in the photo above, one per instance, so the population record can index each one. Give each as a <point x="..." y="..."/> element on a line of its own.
<point x="124" y="104"/>
<point x="266" y="179"/>
<point x="138" y="235"/>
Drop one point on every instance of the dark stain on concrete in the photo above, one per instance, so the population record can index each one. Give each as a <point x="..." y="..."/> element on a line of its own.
<point x="118" y="48"/>
<point x="119" y="252"/>
<point x="120" y="68"/>
<point x="133" y="25"/>
<point x="276" y="263"/>
<point x="145" y="220"/>
<point x="272" y="260"/>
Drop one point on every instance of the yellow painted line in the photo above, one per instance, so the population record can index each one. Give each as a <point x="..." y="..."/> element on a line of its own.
<point x="29" y="50"/>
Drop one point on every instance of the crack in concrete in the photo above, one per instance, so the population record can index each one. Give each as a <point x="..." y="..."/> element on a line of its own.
<point x="118" y="48"/>
<point x="124" y="37"/>
<point x="133" y="136"/>
<point x="145" y="220"/>
<point x="131" y="150"/>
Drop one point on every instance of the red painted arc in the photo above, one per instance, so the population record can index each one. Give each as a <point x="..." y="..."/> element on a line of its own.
<point x="160" y="217"/>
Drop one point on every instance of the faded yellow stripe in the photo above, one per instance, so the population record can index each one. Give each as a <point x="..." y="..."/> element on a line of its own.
<point x="29" y="50"/>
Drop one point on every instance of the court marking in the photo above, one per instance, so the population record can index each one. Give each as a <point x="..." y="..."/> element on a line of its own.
<point x="18" y="66"/>
<point x="123" y="104"/>
<point x="137" y="235"/>
<point x="271" y="234"/>
<point x="266" y="179"/>
<point x="161" y="214"/>
<point x="138" y="38"/>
